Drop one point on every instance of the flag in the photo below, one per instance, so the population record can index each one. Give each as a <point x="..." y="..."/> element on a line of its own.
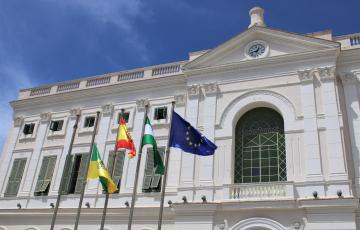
<point x="149" y="139"/>
<point x="97" y="170"/>
<point x="187" y="138"/>
<point x="124" y="140"/>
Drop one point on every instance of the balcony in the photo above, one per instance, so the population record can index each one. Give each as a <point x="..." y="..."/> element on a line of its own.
<point x="261" y="191"/>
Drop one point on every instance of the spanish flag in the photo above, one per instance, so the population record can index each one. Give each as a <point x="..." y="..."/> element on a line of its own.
<point x="124" y="140"/>
<point x="97" y="170"/>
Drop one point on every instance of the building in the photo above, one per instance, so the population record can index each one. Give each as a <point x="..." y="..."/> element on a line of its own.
<point x="283" y="109"/>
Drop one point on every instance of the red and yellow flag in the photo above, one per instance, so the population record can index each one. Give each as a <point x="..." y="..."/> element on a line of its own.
<point x="124" y="140"/>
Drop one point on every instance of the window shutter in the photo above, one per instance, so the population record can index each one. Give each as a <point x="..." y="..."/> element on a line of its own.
<point x="165" y="112"/>
<point x="155" y="177"/>
<point x="60" y="125"/>
<point x="82" y="171"/>
<point x="149" y="168"/>
<point x="15" y="177"/>
<point x="66" y="176"/>
<point x="118" y="167"/>
<point x="31" y="130"/>
<point x="26" y="129"/>
<point x="40" y="181"/>
<point x="49" y="173"/>
<point x="53" y="126"/>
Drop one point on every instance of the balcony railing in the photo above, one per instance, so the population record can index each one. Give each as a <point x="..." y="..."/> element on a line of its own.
<point x="355" y="40"/>
<point x="131" y="76"/>
<point x="40" y="91"/>
<point x="166" y="70"/>
<point x="262" y="191"/>
<point x="98" y="81"/>
<point x="68" y="86"/>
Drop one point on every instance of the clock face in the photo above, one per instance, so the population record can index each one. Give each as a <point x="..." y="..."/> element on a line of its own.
<point x="256" y="50"/>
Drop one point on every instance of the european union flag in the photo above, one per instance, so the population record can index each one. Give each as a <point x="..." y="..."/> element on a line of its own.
<point x="187" y="138"/>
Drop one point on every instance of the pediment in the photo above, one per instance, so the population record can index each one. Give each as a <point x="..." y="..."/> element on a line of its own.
<point x="279" y="43"/>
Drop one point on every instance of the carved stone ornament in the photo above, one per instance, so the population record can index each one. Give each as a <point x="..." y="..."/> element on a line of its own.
<point x="18" y="121"/>
<point x="306" y="76"/>
<point x="142" y="103"/>
<point x="107" y="109"/>
<point x="297" y="225"/>
<point x="180" y="99"/>
<point x="327" y="73"/>
<point x="193" y="90"/>
<point x="75" y="111"/>
<point x="210" y="88"/>
<point x="349" y="78"/>
<point x="44" y="117"/>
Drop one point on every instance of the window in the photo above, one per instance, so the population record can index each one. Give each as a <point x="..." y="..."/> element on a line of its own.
<point x="15" y="177"/>
<point x="126" y="116"/>
<point x="160" y="113"/>
<point x="116" y="162"/>
<point x="75" y="173"/>
<point x="45" y="176"/>
<point x="56" y="125"/>
<point x="29" y="128"/>
<point x="151" y="181"/>
<point x="89" y="122"/>
<point x="260" y="147"/>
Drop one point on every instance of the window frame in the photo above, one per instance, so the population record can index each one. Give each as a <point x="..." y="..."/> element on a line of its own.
<point x="116" y="116"/>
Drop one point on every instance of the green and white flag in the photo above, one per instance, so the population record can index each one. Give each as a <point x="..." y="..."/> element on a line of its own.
<point x="149" y="139"/>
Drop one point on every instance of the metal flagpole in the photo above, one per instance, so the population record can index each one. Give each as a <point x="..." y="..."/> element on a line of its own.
<point x="112" y="175"/>
<point x="63" y="173"/>
<point x="163" y="186"/>
<point x="137" y="173"/>
<point x="87" y="169"/>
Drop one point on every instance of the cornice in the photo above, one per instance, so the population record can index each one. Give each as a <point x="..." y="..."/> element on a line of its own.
<point x="266" y="62"/>
<point x="116" y="89"/>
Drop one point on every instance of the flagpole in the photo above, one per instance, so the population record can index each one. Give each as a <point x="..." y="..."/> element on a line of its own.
<point x="163" y="186"/>
<point x="86" y="172"/>
<point x="137" y="172"/>
<point x="111" y="174"/>
<point x="56" y="208"/>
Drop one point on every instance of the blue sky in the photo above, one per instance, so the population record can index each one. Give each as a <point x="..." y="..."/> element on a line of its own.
<point x="46" y="41"/>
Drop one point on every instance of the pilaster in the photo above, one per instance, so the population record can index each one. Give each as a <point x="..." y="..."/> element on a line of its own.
<point x="313" y="167"/>
<point x="335" y="154"/>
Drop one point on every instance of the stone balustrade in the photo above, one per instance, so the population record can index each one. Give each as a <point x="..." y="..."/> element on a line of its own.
<point x="262" y="191"/>
<point x="349" y="41"/>
<point x="108" y="79"/>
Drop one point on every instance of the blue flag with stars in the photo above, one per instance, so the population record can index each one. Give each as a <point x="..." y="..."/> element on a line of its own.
<point x="187" y="138"/>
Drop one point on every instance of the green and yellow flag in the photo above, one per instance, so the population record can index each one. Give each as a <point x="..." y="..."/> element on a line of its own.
<point x="97" y="170"/>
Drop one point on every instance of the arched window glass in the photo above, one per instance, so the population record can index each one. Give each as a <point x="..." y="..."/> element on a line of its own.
<point x="260" y="147"/>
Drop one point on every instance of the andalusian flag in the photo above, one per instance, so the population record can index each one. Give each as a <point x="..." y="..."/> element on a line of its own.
<point x="97" y="170"/>
<point x="149" y="139"/>
<point x="124" y="140"/>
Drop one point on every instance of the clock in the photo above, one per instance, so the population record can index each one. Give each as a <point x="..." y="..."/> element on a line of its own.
<point x="256" y="49"/>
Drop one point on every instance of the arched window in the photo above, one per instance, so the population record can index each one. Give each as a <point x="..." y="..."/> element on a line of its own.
<point x="260" y="147"/>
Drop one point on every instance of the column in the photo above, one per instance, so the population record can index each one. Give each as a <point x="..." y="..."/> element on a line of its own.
<point x="351" y="83"/>
<point x="69" y="131"/>
<point x="335" y="153"/>
<point x="8" y="149"/>
<point x="313" y="170"/>
<point x="187" y="159"/>
<point x="176" y="154"/>
<point x="34" y="161"/>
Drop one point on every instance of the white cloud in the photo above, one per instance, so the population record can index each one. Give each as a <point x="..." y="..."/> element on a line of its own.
<point x="13" y="78"/>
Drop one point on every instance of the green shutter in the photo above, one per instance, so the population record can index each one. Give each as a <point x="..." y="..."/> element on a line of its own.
<point x="40" y="180"/>
<point x="48" y="174"/>
<point x="149" y="168"/>
<point x="15" y="177"/>
<point x="119" y="158"/>
<point x="68" y="168"/>
<point x="156" y="177"/>
<point x="82" y="173"/>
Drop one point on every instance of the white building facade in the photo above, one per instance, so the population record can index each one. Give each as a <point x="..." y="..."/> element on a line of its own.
<point x="282" y="108"/>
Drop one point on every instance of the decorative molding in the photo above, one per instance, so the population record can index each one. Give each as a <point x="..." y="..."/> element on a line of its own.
<point x="210" y="88"/>
<point x="180" y="99"/>
<point x="142" y="103"/>
<point x="107" y="109"/>
<point x="18" y="121"/>
<point x="193" y="90"/>
<point x="44" y="117"/>
<point x="348" y="78"/>
<point x="297" y="225"/>
<point x="326" y="73"/>
<point x="258" y="222"/>
<point x="75" y="111"/>
<point x="306" y="76"/>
